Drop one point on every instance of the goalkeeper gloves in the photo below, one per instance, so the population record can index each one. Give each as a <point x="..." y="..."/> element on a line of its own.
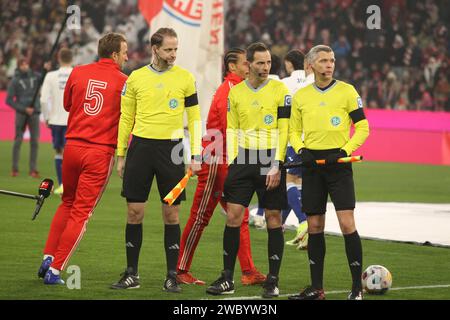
<point x="333" y="158"/>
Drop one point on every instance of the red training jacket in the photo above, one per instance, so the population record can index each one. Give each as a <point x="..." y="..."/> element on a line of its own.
<point x="217" y="117"/>
<point x="92" y="98"/>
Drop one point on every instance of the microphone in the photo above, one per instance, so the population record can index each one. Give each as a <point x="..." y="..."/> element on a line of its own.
<point x="45" y="188"/>
<point x="166" y="62"/>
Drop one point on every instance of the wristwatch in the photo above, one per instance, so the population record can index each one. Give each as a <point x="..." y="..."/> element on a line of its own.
<point x="197" y="158"/>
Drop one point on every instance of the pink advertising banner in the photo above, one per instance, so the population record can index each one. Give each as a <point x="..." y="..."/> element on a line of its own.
<point x="408" y="136"/>
<point x="395" y="136"/>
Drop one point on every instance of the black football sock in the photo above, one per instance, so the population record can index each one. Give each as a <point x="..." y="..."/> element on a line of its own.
<point x="275" y="247"/>
<point x="231" y="238"/>
<point x="353" y="248"/>
<point x="316" y="254"/>
<point x="172" y="245"/>
<point x="133" y="242"/>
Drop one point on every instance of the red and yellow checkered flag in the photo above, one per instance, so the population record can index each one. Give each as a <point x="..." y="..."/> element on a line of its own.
<point x="178" y="189"/>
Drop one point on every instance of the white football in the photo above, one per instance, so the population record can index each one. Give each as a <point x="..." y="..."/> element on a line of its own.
<point x="376" y="279"/>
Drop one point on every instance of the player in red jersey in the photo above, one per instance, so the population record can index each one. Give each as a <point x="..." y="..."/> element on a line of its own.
<point x="92" y="98"/>
<point x="212" y="177"/>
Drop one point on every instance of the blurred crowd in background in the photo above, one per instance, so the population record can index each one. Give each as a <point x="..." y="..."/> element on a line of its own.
<point x="402" y="65"/>
<point x="29" y="28"/>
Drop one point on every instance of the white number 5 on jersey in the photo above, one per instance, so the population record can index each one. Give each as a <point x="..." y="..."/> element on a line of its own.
<point x="92" y="93"/>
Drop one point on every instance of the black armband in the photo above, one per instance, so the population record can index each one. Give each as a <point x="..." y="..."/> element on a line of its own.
<point x="357" y="115"/>
<point x="284" y="112"/>
<point x="190" y="101"/>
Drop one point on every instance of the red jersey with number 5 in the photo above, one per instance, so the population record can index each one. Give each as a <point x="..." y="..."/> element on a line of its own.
<point x="92" y="98"/>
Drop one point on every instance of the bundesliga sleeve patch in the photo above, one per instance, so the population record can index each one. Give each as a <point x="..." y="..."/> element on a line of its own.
<point x="228" y="105"/>
<point x="287" y="101"/>
<point x="359" y="102"/>
<point x="124" y="89"/>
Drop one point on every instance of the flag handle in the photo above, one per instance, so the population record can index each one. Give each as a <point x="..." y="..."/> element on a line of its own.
<point x="178" y="189"/>
<point x="289" y="165"/>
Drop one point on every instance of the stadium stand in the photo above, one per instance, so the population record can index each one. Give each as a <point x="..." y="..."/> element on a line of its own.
<point x="402" y="66"/>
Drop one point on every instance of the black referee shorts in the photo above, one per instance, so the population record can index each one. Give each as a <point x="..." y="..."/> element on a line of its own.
<point x="244" y="179"/>
<point x="335" y="180"/>
<point x="147" y="158"/>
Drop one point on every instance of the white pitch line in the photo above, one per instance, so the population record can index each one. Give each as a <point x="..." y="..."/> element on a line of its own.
<point x="346" y="291"/>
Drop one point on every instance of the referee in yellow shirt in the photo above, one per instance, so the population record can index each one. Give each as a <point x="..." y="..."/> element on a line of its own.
<point x="154" y="99"/>
<point x="323" y="113"/>
<point x="257" y="134"/>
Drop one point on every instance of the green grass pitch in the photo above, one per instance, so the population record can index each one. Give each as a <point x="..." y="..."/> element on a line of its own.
<point x="101" y="254"/>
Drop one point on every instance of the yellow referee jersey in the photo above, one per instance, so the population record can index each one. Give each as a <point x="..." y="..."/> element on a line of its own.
<point x="153" y="104"/>
<point x="325" y="118"/>
<point x="258" y="119"/>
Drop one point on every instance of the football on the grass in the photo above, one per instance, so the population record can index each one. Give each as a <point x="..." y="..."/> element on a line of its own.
<point x="376" y="279"/>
